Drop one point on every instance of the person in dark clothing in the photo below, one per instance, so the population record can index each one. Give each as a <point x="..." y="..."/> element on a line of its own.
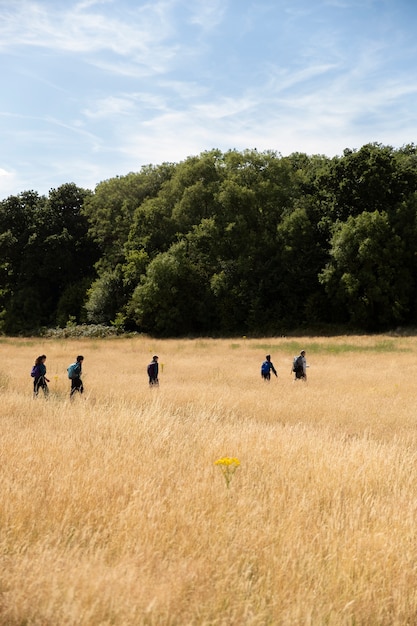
<point x="153" y="369"/>
<point x="39" y="376"/>
<point x="76" y="382"/>
<point x="266" y="368"/>
<point x="300" y="367"/>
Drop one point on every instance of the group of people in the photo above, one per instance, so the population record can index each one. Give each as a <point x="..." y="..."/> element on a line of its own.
<point x="299" y="367"/>
<point x="40" y="381"/>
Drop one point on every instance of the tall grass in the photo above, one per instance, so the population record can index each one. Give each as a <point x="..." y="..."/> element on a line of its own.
<point x="112" y="511"/>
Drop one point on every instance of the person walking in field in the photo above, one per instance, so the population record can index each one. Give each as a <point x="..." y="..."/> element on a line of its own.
<point x="266" y="368"/>
<point x="299" y="367"/>
<point x="153" y="371"/>
<point x="38" y="374"/>
<point x="74" y="374"/>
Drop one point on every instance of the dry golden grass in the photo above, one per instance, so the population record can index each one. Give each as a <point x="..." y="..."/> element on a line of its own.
<point x="112" y="511"/>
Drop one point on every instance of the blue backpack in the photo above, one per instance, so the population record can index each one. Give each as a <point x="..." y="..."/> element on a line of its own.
<point x="265" y="367"/>
<point x="36" y="371"/>
<point x="73" y="371"/>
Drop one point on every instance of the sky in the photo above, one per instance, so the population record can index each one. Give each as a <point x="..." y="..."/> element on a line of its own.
<point x="94" y="89"/>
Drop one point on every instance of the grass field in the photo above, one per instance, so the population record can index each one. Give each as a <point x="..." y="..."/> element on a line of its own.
<point x="113" y="512"/>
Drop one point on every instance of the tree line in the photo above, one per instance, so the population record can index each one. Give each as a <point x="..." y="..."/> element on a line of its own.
<point x="220" y="243"/>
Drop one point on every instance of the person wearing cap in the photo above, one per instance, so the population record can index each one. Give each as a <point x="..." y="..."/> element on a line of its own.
<point x="153" y="369"/>
<point x="266" y="368"/>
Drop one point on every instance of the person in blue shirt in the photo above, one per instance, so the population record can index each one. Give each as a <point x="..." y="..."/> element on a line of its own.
<point x="39" y="376"/>
<point x="266" y="368"/>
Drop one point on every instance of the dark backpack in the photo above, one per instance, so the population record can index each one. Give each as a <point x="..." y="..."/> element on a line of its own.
<point x="36" y="371"/>
<point x="297" y="364"/>
<point x="151" y="370"/>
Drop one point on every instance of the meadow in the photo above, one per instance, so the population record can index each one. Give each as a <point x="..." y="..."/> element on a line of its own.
<point x="114" y="512"/>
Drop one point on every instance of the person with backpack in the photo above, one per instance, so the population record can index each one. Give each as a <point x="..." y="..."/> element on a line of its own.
<point x="74" y="374"/>
<point x="266" y="368"/>
<point x="38" y="374"/>
<point x="299" y="366"/>
<point x="153" y="370"/>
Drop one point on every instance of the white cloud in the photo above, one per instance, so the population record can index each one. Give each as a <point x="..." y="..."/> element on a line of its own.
<point x="225" y="108"/>
<point x="8" y="182"/>
<point x="138" y="34"/>
<point x="282" y="79"/>
<point x="97" y="88"/>
<point x="110" y="107"/>
<point x="207" y="13"/>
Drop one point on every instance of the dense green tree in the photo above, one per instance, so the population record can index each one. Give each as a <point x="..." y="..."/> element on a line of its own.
<point x="289" y="287"/>
<point x="51" y="252"/>
<point x="373" y="178"/>
<point x="105" y="297"/>
<point x="17" y="228"/>
<point x="152" y="229"/>
<point x="111" y="208"/>
<point x="170" y="299"/>
<point x="233" y="242"/>
<point x="366" y="278"/>
<point x="193" y="189"/>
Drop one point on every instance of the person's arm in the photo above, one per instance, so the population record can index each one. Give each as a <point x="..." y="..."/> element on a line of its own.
<point x="274" y="370"/>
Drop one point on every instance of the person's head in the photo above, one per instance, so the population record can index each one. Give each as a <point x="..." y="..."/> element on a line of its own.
<point x="155" y="358"/>
<point x="303" y="352"/>
<point x="40" y="359"/>
<point x="268" y="357"/>
<point x="80" y="358"/>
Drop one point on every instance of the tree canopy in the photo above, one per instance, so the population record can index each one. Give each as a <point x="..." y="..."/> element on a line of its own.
<point x="225" y="243"/>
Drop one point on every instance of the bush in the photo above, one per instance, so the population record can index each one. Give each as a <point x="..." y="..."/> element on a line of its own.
<point x="83" y="330"/>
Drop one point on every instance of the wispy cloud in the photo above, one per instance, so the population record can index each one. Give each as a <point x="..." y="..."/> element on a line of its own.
<point x="116" y="106"/>
<point x="97" y="88"/>
<point x="139" y="34"/>
<point x="207" y="13"/>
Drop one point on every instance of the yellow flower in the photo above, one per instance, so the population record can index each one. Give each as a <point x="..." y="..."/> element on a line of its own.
<point x="228" y="466"/>
<point x="227" y="460"/>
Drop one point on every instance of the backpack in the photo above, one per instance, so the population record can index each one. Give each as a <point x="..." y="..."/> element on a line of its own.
<point x="73" y="371"/>
<point x="151" y="370"/>
<point x="36" y="371"/>
<point x="265" y="367"/>
<point x="297" y="364"/>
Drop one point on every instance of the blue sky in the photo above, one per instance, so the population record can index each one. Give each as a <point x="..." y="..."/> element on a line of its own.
<point x="93" y="89"/>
